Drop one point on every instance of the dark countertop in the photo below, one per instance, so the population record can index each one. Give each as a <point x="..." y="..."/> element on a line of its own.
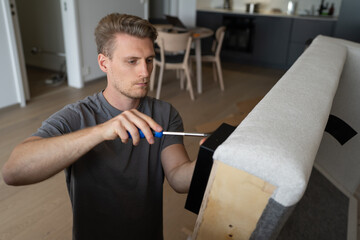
<point x="268" y="14"/>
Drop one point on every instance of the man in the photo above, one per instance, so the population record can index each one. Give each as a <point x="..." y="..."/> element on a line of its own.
<point x="115" y="183"/>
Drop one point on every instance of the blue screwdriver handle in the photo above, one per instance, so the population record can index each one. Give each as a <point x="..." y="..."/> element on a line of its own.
<point x="156" y="134"/>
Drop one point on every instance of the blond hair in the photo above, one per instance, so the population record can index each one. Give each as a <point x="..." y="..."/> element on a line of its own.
<point x="115" y="23"/>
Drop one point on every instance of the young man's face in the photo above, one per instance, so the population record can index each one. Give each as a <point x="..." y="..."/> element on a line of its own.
<point x="129" y="70"/>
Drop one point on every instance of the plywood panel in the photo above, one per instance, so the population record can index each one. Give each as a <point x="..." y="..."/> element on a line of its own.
<point x="233" y="203"/>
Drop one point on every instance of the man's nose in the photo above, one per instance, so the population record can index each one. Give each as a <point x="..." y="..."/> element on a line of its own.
<point x="145" y="69"/>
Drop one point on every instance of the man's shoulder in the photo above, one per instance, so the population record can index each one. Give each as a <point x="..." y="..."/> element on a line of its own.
<point x="87" y="102"/>
<point x="75" y="110"/>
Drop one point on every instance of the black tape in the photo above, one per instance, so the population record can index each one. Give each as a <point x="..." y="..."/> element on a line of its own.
<point x="339" y="129"/>
<point x="203" y="167"/>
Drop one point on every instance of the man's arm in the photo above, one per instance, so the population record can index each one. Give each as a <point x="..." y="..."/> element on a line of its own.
<point x="177" y="167"/>
<point x="37" y="159"/>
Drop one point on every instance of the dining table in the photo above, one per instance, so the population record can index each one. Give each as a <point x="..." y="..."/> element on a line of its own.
<point x="198" y="33"/>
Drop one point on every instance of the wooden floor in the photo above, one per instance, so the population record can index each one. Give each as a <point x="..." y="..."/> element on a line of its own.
<point x="43" y="211"/>
<point x="43" y="81"/>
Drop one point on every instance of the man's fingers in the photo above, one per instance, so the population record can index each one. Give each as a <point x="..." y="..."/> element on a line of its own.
<point x="130" y="128"/>
<point x="151" y="122"/>
<point x="202" y="141"/>
<point x="135" y="123"/>
<point x="134" y="120"/>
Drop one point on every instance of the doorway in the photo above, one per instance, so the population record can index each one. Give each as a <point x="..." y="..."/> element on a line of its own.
<point x="42" y="42"/>
<point x="75" y="60"/>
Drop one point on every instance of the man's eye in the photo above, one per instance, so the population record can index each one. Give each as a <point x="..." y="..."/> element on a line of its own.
<point x="131" y="61"/>
<point x="150" y="60"/>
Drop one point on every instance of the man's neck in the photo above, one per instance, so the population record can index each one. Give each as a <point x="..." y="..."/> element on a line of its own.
<point x="120" y="101"/>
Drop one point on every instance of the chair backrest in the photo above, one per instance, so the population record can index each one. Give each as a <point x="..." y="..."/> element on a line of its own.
<point x="170" y="42"/>
<point x="174" y="42"/>
<point x="219" y="35"/>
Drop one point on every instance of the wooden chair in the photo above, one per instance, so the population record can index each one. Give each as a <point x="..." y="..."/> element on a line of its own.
<point x="214" y="55"/>
<point x="174" y="54"/>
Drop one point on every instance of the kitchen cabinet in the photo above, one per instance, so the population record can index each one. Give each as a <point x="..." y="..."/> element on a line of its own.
<point x="267" y="37"/>
<point x="303" y="31"/>
<point x="276" y="41"/>
<point x="209" y="20"/>
<point x="271" y="37"/>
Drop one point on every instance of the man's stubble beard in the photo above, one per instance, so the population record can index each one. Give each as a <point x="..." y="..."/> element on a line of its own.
<point x="133" y="95"/>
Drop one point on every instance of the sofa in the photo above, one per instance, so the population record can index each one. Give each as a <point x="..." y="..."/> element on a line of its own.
<point x="262" y="170"/>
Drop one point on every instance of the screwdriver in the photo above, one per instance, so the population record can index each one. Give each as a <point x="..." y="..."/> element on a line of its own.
<point x="160" y="134"/>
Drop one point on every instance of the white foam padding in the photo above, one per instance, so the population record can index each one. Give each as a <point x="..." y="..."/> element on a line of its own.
<point x="280" y="137"/>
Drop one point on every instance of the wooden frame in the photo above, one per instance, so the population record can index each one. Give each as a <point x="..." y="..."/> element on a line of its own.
<point x="233" y="203"/>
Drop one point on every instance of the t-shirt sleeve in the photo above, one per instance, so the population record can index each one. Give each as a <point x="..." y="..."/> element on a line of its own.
<point x="64" y="121"/>
<point x="175" y="125"/>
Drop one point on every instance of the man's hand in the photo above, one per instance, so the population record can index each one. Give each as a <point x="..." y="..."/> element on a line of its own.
<point x="130" y="122"/>
<point x="202" y="141"/>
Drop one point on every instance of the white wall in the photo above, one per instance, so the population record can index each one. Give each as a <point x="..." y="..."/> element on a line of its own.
<point x="90" y="13"/>
<point x="41" y="27"/>
<point x="8" y="94"/>
<point x="187" y="12"/>
<point x="267" y="5"/>
<point x="184" y="9"/>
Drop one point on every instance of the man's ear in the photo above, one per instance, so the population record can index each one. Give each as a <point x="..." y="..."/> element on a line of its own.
<point x="103" y="62"/>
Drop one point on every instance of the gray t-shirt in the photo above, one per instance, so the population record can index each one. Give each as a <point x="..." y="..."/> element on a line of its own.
<point x="115" y="189"/>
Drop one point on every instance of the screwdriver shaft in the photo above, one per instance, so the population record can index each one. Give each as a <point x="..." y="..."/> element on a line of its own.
<point x="187" y="134"/>
<point x="160" y="134"/>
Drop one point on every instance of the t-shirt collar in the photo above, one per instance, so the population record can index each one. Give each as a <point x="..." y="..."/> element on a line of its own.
<point x="114" y="111"/>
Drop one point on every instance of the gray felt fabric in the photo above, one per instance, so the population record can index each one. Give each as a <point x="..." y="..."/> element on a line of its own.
<point x="321" y="214"/>
<point x="271" y="221"/>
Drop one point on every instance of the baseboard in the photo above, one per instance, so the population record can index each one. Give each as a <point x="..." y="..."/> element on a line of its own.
<point x="7" y="108"/>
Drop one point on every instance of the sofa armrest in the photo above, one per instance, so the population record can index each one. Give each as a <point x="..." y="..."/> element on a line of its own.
<point x="279" y="139"/>
<point x="275" y="144"/>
